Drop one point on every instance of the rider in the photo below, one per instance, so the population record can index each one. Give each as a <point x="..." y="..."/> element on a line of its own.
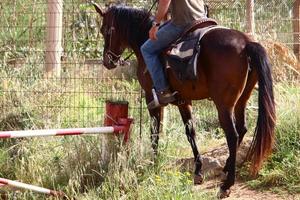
<point x="183" y="13"/>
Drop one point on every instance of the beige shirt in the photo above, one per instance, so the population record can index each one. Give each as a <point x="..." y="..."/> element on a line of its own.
<point x="184" y="12"/>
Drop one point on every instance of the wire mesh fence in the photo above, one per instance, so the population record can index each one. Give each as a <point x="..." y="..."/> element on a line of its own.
<point x="31" y="99"/>
<point x="274" y="21"/>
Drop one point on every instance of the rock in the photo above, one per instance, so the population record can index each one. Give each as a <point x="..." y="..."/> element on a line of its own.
<point x="214" y="160"/>
<point x="211" y="165"/>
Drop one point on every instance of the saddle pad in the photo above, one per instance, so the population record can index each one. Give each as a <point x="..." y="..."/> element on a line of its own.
<point x="183" y="54"/>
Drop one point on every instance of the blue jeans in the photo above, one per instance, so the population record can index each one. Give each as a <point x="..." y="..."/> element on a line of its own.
<point x="151" y="50"/>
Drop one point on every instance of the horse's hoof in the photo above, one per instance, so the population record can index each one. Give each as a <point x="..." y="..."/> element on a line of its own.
<point x="198" y="179"/>
<point x="222" y="194"/>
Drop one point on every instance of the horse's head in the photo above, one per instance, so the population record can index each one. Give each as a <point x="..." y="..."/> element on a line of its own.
<point x="113" y="47"/>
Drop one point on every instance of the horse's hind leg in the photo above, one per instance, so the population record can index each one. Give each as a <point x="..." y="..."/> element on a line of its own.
<point x="240" y="126"/>
<point x="240" y="117"/>
<point x="240" y="110"/>
<point x="240" y="107"/>
<point x="226" y="118"/>
<point x="186" y="114"/>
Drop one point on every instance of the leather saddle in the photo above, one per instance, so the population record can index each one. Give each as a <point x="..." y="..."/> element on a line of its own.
<point x="202" y="23"/>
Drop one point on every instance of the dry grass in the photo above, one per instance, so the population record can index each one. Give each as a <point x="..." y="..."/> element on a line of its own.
<point x="286" y="66"/>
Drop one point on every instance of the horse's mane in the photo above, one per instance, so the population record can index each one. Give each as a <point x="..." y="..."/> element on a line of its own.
<point x="132" y="23"/>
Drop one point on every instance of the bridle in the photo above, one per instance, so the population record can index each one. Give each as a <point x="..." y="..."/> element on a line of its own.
<point x="113" y="57"/>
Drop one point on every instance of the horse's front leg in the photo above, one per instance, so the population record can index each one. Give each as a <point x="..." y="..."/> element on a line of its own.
<point x="186" y="114"/>
<point x="156" y="118"/>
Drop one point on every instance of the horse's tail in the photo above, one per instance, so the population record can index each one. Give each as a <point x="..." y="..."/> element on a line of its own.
<point x="264" y="135"/>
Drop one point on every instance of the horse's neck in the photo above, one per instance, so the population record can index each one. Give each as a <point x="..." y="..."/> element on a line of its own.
<point x="141" y="63"/>
<point x="144" y="79"/>
<point x="137" y="51"/>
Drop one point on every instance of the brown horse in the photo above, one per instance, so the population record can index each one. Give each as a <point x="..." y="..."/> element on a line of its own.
<point x="229" y="66"/>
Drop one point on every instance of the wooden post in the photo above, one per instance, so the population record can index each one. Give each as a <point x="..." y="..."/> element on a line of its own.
<point x="115" y="110"/>
<point x="296" y="27"/>
<point x="250" y="21"/>
<point x="54" y="37"/>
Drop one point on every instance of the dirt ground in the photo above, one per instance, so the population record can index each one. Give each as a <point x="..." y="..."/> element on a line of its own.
<point x="240" y="191"/>
<point x="213" y="162"/>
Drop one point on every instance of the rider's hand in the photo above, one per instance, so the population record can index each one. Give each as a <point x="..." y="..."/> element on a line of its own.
<point x="153" y="32"/>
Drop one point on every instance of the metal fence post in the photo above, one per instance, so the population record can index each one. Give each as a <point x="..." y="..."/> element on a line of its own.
<point x="54" y="37"/>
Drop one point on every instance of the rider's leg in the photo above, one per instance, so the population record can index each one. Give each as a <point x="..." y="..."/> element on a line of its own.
<point x="151" y="50"/>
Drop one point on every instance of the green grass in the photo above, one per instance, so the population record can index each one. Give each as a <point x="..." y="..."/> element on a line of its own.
<point x="72" y="163"/>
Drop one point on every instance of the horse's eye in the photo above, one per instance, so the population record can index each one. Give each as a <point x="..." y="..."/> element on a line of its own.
<point x="106" y="31"/>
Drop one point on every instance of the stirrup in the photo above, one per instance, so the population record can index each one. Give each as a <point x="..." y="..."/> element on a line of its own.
<point x="155" y="103"/>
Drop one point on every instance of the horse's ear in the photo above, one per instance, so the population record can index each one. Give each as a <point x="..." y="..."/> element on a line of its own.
<point x="98" y="9"/>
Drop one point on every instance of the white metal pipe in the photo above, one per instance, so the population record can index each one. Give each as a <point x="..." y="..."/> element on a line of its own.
<point x="60" y="132"/>
<point x="34" y="188"/>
